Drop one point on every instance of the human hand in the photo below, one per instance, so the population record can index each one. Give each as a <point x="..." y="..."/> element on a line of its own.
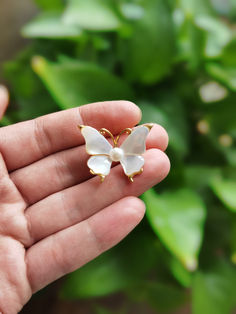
<point x="54" y="216"/>
<point x="4" y="98"/>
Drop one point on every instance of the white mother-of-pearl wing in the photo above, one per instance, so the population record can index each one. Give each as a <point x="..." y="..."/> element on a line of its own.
<point x="96" y="143"/>
<point x="132" y="164"/>
<point x="100" y="165"/>
<point x="135" y="144"/>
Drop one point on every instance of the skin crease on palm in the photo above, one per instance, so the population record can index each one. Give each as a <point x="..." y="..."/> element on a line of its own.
<point x="54" y="215"/>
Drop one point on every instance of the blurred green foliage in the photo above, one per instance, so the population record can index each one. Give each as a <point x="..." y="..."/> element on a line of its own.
<point x="177" y="60"/>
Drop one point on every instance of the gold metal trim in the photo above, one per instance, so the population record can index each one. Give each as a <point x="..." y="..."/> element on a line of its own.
<point x="102" y="177"/>
<point x="149" y="126"/>
<point x="130" y="177"/>
<point x="104" y="131"/>
<point x="80" y="126"/>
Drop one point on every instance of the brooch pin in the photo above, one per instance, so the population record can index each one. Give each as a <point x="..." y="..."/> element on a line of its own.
<point x="129" y="154"/>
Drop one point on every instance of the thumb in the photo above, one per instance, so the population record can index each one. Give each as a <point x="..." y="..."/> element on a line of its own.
<point x="4" y="100"/>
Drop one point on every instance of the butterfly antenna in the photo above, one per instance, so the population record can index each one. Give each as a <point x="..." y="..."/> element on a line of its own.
<point x="104" y="131"/>
<point x="127" y="131"/>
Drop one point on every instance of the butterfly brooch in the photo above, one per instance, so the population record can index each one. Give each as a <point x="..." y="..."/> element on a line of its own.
<point x="129" y="153"/>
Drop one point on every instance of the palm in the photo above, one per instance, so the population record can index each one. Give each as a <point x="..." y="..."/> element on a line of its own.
<point x="55" y="217"/>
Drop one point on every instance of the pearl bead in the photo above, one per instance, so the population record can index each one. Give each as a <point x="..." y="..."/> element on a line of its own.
<point x="116" y="154"/>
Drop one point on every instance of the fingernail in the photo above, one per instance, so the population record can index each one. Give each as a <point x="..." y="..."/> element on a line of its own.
<point x="4" y="95"/>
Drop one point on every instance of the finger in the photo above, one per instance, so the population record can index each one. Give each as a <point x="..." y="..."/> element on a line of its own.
<point x="158" y="137"/>
<point x="4" y="100"/>
<point x="69" y="249"/>
<point x="3" y="169"/>
<point x="64" y="169"/>
<point x="35" y="139"/>
<point x="79" y="202"/>
<point x="13" y="223"/>
<point x="14" y="288"/>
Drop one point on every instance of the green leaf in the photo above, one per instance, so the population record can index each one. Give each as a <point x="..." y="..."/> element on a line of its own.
<point x="97" y="15"/>
<point x="232" y="241"/>
<point x="50" y="25"/>
<point x="161" y="296"/>
<point x="197" y="36"/>
<point x="193" y="7"/>
<point x="50" y="5"/>
<point x="74" y="83"/>
<point x="180" y="273"/>
<point x="232" y="9"/>
<point x="217" y="33"/>
<point x="220" y="117"/>
<point x="200" y="176"/>
<point x="164" y="297"/>
<point x="225" y="74"/>
<point x="169" y="112"/>
<point x="231" y="156"/>
<point x="221" y="8"/>
<point x="191" y="41"/>
<point x="100" y="277"/>
<point x="26" y="90"/>
<point x="177" y="217"/>
<point x="5" y="121"/>
<point x="214" y="290"/>
<point x="131" y="11"/>
<point x="117" y="269"/>
<point x="229" y="52"/>
<point x="148" y="54"/>
<point x="226" y="191"/>
<point x="222" y="127"/>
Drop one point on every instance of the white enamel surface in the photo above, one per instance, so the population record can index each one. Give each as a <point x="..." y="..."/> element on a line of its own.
<point x="116" y="154"/>
<point x="95" y="142"/>
<point x="132" y="164"/>
<point x="135" y="144"/>
<point x="100" y="164"/>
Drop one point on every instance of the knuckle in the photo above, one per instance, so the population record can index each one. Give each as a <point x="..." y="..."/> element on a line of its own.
<point x="42" y="137"/>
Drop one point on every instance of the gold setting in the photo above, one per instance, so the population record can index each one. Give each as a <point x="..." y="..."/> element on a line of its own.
<point x="102" y="177"/>
<point x="149" y="126"/>
<point x="115" y="140"/>
<point x="80" y="126"/>
<point x="134" y="174"/>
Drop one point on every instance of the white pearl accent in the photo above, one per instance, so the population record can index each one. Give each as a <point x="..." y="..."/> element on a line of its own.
<point x="116" y="154"/>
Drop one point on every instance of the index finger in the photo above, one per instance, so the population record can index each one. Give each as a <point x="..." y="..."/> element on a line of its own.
<point x="4" y="99"/>
<point x="26" y="142"/>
